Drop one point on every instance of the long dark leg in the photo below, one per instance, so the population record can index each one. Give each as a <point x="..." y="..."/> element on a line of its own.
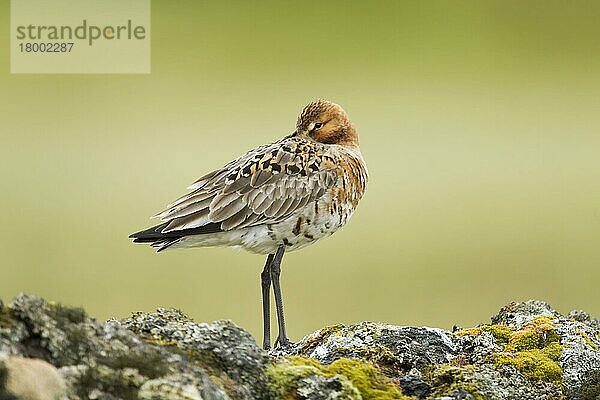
<point x="265" y="278"/>
<point x="282" y="339"/>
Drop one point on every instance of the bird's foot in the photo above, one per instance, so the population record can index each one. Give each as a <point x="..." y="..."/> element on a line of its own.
<point x="282" y="348"/>
<point x="283" y="343"/>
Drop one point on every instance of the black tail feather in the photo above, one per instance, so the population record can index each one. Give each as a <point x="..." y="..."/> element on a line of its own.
<point x="148" y="235"/>
<point x="157" y="238"/>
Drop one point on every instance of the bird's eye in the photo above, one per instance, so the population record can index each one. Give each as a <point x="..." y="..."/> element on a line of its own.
<point x="318" y="125"/>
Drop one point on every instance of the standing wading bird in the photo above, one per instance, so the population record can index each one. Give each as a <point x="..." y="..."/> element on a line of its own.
<point x="275" y="198"/>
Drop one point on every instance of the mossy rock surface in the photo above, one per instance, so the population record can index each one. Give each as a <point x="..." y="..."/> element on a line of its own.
<point x="358" y="379"/>
<point x="528" y="352"/>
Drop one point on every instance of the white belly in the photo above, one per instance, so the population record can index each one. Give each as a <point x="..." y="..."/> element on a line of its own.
<point x="297" y="231"/>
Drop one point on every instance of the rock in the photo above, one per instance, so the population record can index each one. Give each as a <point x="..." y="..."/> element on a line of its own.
<point x="391" y="347"/>
<point x="412" y="385"/>
<point x="305" y="379"/>
<point x="100" y="360"/>
<point x="32" y="379"/>
<point x="220" y="347"/>
<point x="529" y="351"/>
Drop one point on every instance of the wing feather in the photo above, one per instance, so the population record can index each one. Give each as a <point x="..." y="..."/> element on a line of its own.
<point x="236" y="219"/>
<point x="221" y="214"/>
<point x="222" y="200"/>
<point x="275" y="205"/>
<point x="261" y="207"/>
<point x="265" y="185"/>
<point x="200" y="182"/>
<point x="260" y="177"/>
<point x="191" y="208"/>
<point x="189" y="221"/>
<point x="240" y="185"/>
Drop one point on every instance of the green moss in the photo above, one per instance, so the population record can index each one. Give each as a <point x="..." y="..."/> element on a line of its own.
<point x="500" y="332"/>
<point x="535" y="364"/>
<point x="284" y="378"/>
<point x="448" y="379"/>
<point x="588" y="340"/>
<point x="533" y="350"/>
<point x="535" y="335"/>
<point x="523" y="340"/>
<point x="162" y="342"/>
<point x="365" y="377"/>
<point x="357" y="377"/>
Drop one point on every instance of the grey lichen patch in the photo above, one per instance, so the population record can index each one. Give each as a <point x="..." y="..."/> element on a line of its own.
<point x="520" y="314"/>
<point x="390" y="348"/>
<point x="55" y="333"/>
<point x="588" y="340"/>
<point x="228" y="353"/>
<point x="96" y="360"/>
<point x="590" y="386"/>
<point x="586" y="319"/>
<point x="580" y="353"/>
<point x="179" y="387"/>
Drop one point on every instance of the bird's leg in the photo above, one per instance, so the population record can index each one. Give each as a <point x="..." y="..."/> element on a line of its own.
<point x="282" y="338"/>
<point x="265" y="278"/>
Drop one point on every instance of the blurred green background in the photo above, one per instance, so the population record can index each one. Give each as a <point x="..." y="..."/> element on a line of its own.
<point x="479" y="122"/>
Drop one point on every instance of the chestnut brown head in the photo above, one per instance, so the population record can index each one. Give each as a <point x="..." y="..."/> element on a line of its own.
<point x="327" y="122"/>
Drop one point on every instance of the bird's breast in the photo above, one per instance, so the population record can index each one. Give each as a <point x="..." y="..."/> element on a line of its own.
<point x="318" y="219"/>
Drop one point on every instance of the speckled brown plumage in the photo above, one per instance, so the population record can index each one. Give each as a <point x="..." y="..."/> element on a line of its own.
<point x="294" y="191"/>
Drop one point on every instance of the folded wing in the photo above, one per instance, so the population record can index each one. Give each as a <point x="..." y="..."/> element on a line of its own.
<point x="263" y="186"/>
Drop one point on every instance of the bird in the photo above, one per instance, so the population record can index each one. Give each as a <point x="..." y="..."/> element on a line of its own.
<point x="273" y="199"/>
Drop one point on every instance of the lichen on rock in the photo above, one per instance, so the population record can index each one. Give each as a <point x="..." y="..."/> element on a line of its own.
<point x="533" y="349"/>
<point x="391" y="348"/>
<point x="95" y="360"/>
<point x="228" y="353"/>
<point x="357" y="379"/>
<point x="528" y="352"/>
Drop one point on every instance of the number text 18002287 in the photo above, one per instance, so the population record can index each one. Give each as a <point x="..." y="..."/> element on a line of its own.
<point x="35" y="47"/>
